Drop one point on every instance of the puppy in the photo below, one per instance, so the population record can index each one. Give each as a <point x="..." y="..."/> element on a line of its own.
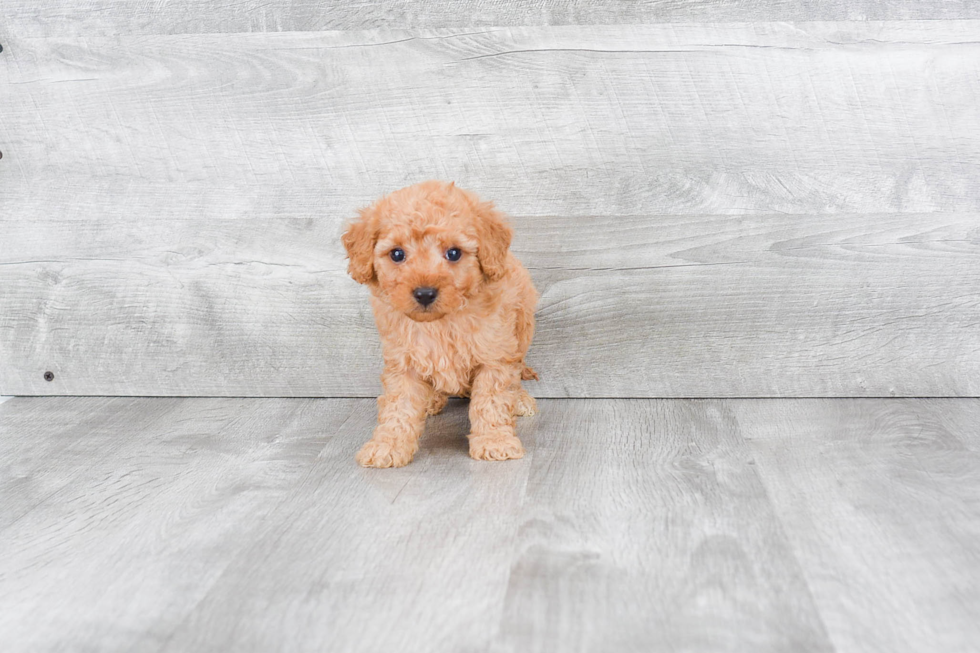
<point x="455" y="311"/>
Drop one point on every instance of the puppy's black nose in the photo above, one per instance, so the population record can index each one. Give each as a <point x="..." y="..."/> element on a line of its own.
<point x="425" y="295"/>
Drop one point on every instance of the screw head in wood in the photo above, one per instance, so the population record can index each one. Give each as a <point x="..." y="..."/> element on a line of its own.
<point x="49" y="376"/>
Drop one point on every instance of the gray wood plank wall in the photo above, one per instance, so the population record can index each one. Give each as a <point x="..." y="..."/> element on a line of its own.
<point x="112" y="17"/>
<point x="709" y="209"/>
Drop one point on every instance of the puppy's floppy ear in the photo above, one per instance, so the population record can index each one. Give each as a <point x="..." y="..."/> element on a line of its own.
<point x="494" y="235"/>
<point x="359" y="240"/>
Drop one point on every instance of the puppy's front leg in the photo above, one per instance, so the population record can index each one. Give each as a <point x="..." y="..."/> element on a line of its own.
<point x="401" y="418"/>
<point x="492" y="413"/>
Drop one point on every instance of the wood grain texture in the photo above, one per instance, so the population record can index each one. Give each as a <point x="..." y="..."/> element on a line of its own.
<point x="364" y="560"/>
<point x="113" y="17"/>
<point x="631" y="306"/>
<point x="626" y="120"/>
<point x="881" y="501"/>
<point x="632" y="525"/>
<point x="646" y="528"/>
<point x="135" y="517"/>
<point x="185" y="533"/>
<point x="74" y="436"/>
<point x="743" y="209"/>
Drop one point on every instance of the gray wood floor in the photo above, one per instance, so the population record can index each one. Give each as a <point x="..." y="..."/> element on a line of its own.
<point x="632" y="525"/>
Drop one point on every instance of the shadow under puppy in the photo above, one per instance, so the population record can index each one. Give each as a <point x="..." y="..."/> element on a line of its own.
<point x="455" y="311"/>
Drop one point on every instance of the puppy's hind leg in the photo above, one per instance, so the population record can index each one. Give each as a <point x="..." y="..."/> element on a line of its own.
<point x="528" y="374"/>
<point x="437" y="403"/>
<point x="524" y="405"/>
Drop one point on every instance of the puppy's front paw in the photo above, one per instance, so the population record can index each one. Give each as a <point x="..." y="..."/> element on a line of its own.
<point x="496" y="447"/>
<point x="384" y="453"/>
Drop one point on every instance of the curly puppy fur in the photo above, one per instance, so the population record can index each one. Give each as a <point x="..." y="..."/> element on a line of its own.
<point x="470" y="340"/>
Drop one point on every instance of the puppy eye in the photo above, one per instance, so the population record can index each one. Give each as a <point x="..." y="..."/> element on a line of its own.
<point x="453" y="253"/>
<point x="397" y="255"/>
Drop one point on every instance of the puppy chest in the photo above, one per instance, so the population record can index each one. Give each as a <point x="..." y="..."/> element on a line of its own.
<point x="446" y="364"/>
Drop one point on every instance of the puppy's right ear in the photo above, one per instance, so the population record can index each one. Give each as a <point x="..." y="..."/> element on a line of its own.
<point x="359" y="240"/>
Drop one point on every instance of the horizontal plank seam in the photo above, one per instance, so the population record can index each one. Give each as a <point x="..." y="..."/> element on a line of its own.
<point x="708" y="47"/>
<point x="420" y="34"/>
<point x="554" y="398"/>
<point x="640" y="267"/>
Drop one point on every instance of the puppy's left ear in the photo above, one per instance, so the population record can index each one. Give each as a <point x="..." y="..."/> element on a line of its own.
<point x="494" y="235"/>
<point x="359" y="240"/>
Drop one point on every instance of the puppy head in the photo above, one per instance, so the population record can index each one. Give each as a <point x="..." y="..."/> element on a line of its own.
<point x="428" y="249"/>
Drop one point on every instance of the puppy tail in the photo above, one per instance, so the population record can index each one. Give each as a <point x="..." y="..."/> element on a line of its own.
<point x="529" y="374"/>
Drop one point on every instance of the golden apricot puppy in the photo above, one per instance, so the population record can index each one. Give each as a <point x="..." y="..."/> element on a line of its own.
<point x="455" y="311"/>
